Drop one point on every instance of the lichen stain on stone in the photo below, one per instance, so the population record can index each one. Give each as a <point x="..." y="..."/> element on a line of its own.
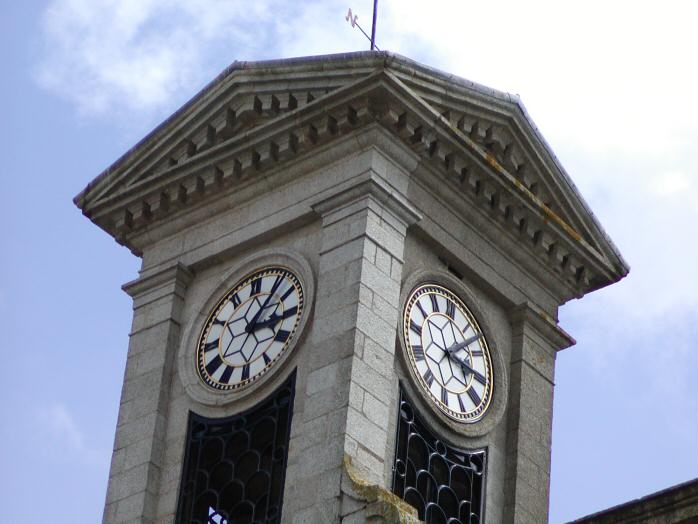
<point x="492" y="161"/>
<point x="549" y="215"/>
<point x="380" y="503"/>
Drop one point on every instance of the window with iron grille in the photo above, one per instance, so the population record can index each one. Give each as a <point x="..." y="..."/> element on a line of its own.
<point x="445" y="484"/>
<point x="234" y="467"/>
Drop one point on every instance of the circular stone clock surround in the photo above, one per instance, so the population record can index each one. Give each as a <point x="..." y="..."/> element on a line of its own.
<point x="494" y="412"/>
<point x="188" y="347"/>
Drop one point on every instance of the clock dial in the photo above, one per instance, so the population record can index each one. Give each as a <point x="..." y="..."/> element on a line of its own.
<point x="250" y="328"/>
<point x="448" y="353"/>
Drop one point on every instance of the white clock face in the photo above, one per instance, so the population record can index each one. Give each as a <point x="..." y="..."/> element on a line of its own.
<point x="448" y="353"/>
<point x="250" y="328"/>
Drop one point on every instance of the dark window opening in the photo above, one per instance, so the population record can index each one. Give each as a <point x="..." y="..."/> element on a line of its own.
<point x="445" y="484"/>
<point x="234" y="467"/>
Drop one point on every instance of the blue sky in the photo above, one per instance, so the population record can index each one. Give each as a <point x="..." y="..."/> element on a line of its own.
<point x="611" y="85"/>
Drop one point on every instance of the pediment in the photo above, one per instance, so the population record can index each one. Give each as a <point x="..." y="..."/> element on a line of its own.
<point x="258" y="115"/>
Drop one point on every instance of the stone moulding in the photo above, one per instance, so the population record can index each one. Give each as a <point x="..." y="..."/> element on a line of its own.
<point x="259" y="119"/>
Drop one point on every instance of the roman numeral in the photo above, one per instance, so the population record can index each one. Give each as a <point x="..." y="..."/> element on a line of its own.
<point x="450" y="308"/>
<point x="225" y="377"/>
<point x="245" y="372"/>
<point x="256" y="286"/>
<point x="289" y="312"/>
<point x="211" y="345"/>
<point x="266" y="358"/>
<point x="421" y="309"/>
<point x="444" y="396"/>
<point x="416" y="327"/>
<point x="213" y="366"/>
<point x="282" y="335"/>
<point x="474" y="397"/>
<point x="428" y="377"/>
<point x="434" y="303"/>
<point x="219" y="321"/>
<point x="235" y="299"/>
<point x="477" y="352"/>
<point x="418" y="352"/>
<point x="462" y="406"/>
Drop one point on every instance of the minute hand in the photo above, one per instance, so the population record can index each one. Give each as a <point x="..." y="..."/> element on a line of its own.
<point x="460" y="345"/>
<point x="253" y="323"/>
<point x="274" y="318"/>
<point x="464" y="364"/>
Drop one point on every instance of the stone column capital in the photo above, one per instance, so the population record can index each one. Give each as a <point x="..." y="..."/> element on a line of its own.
<point x="366" y="191"/>
<point x="527" y="316"/>
<point x="174" y="278"/>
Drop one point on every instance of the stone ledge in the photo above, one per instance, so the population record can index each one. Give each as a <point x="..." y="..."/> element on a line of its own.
<point x="377" y="504"/>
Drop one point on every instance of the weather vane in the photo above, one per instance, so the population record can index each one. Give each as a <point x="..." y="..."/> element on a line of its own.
<point x="352" y="19"/>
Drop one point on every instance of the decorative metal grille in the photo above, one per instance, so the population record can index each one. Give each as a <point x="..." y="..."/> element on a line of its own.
<point x="445" y="484"/>
<point x="234" y="467"/>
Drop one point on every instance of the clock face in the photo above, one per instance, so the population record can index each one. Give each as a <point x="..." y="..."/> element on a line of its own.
<point x="448" y="353"/>
<point x="250" y="328"/>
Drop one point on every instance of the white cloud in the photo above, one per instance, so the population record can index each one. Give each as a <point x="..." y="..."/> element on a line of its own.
<point x="672" y="184"/>
<point x="114" y="56"/>
<point x="605" y="75"/>
<point x="59" y="423"/>
<point x="111" y="57"/>
<point x="62" y="437"/>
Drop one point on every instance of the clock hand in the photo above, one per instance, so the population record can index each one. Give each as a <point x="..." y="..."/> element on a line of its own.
<point x="464" y="364"/>
<point x="467" y="368"/>
<point x="460" y="345"/>
<point x="268" y="322"/>
<point x="274" y="318"/>
<point x="250" y="327"/>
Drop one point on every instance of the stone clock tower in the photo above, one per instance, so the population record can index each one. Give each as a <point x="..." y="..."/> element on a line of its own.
<point x="346" y="310"/>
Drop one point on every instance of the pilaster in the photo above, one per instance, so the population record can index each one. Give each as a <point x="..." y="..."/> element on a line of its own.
<point x="138" y="447"/>
<point x="535" y="340"/>
<point x="350" y="383"/>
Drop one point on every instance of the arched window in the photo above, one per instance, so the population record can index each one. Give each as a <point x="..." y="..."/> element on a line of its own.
<point x="234" y="467"/>
<point x="444" y="483"/>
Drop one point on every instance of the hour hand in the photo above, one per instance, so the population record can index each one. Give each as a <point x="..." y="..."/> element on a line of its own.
<point x="273" y="319"/>
<point x="255" y="322"/>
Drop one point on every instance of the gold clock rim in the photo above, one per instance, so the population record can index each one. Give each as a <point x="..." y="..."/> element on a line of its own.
<point x="217" y="386"/>
<point x="487" y="399"/>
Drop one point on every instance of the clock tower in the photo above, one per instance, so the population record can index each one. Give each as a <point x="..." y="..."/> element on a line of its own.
<point x="346" y="309"/>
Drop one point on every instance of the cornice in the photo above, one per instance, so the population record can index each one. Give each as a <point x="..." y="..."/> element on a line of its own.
<point x="176" y="276"/>
<point x="479" y="164"/>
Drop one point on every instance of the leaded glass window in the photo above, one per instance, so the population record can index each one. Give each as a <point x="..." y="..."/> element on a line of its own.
<point x="234" y="467"/>
<point x="445" y="484"/>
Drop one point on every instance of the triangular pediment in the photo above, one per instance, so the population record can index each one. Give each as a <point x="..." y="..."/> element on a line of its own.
<point x="258" y="115"/>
